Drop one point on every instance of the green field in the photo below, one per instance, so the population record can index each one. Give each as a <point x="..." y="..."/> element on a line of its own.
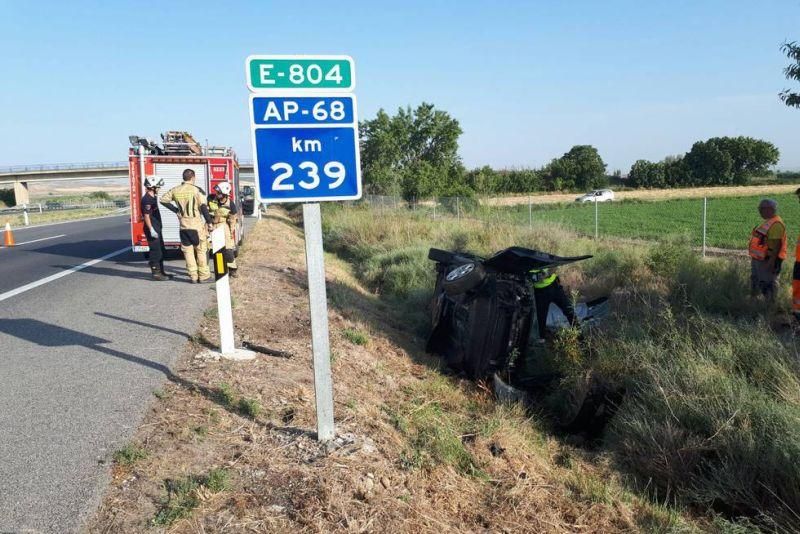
<point x="729" y="219"/>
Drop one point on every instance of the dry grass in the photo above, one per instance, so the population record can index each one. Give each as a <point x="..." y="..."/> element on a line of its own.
<point x="654" y="194"/>
<point x="417" y="451"/>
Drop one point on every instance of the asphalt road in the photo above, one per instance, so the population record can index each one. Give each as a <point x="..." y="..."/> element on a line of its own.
<point x="80" y="355"/>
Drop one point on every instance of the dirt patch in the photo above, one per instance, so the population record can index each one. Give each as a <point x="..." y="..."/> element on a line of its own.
<point x="416" y="451"/>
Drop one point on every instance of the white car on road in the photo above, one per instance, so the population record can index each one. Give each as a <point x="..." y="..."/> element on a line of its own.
<point x="598" y="195"/>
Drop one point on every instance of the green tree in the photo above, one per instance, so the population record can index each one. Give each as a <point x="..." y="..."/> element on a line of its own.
<point x="709" y="165"/>
<point x="645" y="173"/>
<point x="486" y="181"/>
<point x="413" y="153"/>
<point x="580" y="168"/>
<point x="676" y="172"/>
<point x="792" y="72"/>
<point x="749" y="157"/>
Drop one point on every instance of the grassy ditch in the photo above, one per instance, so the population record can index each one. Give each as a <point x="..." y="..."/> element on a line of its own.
<point x="711" y="417"/>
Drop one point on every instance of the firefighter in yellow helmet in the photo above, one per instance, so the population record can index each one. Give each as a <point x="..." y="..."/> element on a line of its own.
<point x="223" y="215"/>
<point x="189" y="202"/>
<point x="767" y="250"/>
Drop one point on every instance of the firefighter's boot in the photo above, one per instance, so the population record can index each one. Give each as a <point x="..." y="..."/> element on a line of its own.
<point x="156" y="274"/>
<point x="163" y="272"/>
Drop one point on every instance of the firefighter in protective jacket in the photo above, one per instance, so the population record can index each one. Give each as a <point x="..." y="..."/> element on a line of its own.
<point x="547" y="289"/>
<point x="189" y="202"/>
<point x="223" y="215"/>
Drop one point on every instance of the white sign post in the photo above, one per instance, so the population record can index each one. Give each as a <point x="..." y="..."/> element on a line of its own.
<point x="304" y="126"/>
<point x="318" y="304"/>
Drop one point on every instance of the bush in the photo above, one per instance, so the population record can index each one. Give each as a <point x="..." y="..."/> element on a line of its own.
<point x="7" y="197"/>
<point x="712" y="415"/>
<point x="100" y="195"/>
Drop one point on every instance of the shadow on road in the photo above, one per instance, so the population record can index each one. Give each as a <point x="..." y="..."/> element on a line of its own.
<point x="140" y="323"/>
<point x="89" y="249"/>
<point x="48" y="335"/>
<point x="140" y="270"/>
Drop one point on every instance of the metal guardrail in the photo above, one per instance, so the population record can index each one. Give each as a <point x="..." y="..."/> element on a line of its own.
<point x="41" y="207"/>
<point x="80" y="166"/>
<point x="65" y="166"/>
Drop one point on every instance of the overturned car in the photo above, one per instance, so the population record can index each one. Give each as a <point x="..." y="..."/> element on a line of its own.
<point x="482" y="310"/>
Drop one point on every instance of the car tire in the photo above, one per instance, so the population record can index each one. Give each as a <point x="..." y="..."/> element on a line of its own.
<point x="463" y="278"/>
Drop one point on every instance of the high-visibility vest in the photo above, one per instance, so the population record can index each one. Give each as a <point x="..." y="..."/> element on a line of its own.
<point x="758" y="240"/>
<point x="541" y="279"/>
<point x="795" y="281"/>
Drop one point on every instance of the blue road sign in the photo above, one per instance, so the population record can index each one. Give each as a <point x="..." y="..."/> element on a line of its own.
<point x="305" y="148"/>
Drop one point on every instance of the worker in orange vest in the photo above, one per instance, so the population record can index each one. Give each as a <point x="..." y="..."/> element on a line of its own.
<point x="796" y="275"/>
<point x="767" y="250"/>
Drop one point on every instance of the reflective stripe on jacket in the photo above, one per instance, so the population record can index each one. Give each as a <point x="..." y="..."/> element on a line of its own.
<point x="758" y="249"/>
<point x="220" y="211"/>
<point x="541" y="279"/>
<point x="187" y="198"/>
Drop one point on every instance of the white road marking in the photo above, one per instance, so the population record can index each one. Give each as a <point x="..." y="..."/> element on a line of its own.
<point x="51" y="278"/>
<point x="37" y="240"/>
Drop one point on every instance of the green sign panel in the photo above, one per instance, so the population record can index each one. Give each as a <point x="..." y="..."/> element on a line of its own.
<point x="300" y="72"/>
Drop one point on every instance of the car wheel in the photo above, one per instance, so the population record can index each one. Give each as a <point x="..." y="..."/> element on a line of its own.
<point x="463" y="278"/>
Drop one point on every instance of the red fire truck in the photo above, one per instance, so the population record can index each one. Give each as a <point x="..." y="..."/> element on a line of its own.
<point x="177" y="152"/>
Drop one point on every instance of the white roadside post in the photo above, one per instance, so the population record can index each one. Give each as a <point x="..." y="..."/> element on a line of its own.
<point x="530" y="213"/>
<point x="596" y="233"/>
<point x="227" y="349"/>
<point x="705" y="212"/>
<point x="25" y="214"/>
<point x="304" y="133"/>
<point x="225" y="312"/>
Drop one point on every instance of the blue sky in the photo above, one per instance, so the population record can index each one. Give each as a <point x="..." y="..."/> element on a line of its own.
<point x="526" y="80"/>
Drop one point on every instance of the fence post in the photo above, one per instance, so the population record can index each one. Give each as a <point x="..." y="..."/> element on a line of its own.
<point x="595" y="219"/>
<point x="530" y="213"/>
<point x="705" y="212"/>
<point x="434" y="208"/>
<point x="40" y="207"/>
<point x="458" y="209"/>
<point x="25" y="214"/>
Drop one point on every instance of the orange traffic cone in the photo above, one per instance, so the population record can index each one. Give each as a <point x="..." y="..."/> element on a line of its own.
<point x="9" y="239"/>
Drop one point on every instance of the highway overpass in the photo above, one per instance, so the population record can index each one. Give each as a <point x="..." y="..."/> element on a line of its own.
<point x="20" y="176"/>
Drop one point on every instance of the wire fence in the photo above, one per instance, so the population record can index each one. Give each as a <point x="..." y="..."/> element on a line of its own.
<point x="711" y="225"/>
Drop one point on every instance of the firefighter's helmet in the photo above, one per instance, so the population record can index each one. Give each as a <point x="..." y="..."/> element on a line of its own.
<point x="151" y="182"/>
<point x="223" y="188"/>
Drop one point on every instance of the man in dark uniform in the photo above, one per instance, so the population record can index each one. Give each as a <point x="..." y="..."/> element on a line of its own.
<point x="547" y="289"/>
<point x="152" y="227"/>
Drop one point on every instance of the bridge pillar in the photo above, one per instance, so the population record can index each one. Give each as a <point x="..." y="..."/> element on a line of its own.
<point x="21" y="193"/>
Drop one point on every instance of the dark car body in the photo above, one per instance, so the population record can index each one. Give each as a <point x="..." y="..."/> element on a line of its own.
<point x="482" y="309"/>
<point x="248" y="195"/>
